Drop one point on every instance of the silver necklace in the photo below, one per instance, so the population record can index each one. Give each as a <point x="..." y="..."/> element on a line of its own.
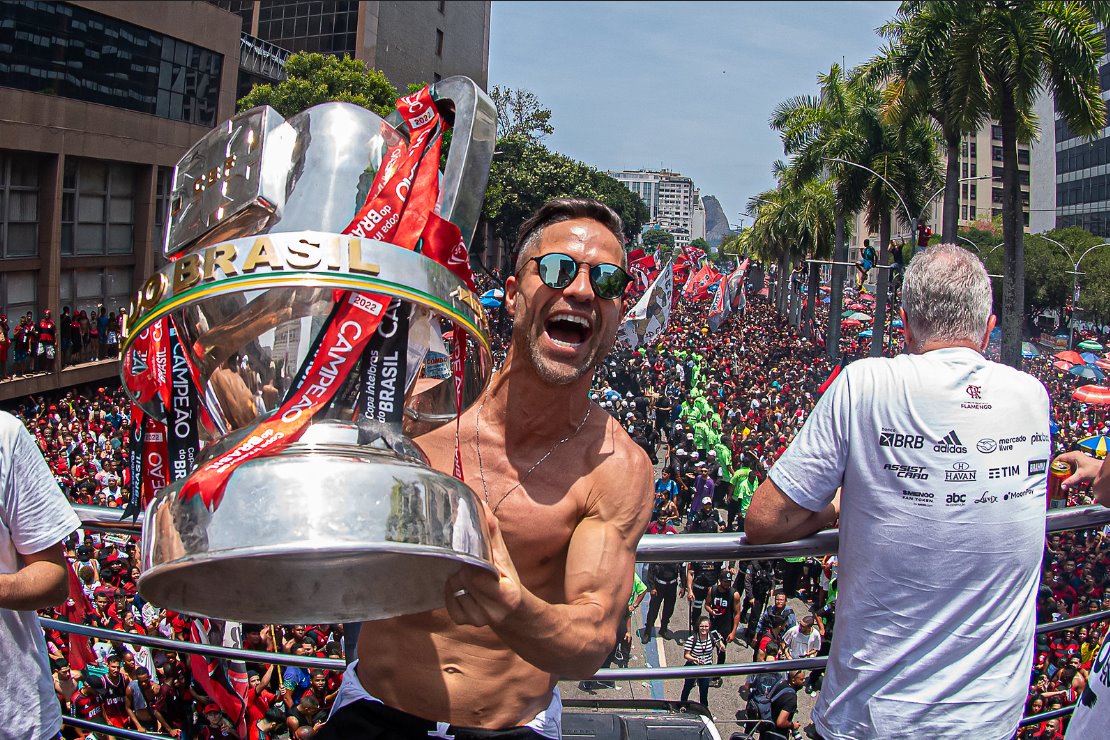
<point x="481" y="467"/>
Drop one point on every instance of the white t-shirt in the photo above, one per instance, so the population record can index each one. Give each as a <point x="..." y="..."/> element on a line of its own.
<point x="800" y="644"/>
<point x="942" y="458"/>
<point x="1091" y="720"/>
<point x="33" y="516"/>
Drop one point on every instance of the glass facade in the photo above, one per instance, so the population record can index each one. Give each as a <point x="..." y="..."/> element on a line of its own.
<point x="325" y="26"/>
<point x="84" y="290"/>
<point x="68" y="51"/>
<point x="18" y="291"/>
<point x="98" y="207"/>
<point x="19" y="205"/>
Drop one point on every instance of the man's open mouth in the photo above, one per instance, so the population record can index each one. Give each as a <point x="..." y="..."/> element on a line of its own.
<point x="568" y="330"/>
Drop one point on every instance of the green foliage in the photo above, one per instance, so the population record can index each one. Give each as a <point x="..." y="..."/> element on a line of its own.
<point x="1048" y="279"/>
<point x="735" y="245"/>
<point x="526" y="174"/>
<point x="519" y="113"/>
<point x="321" y="78"/>
<point x="701" y="244"/>
<point x="1094" y="294"/>
<point x="659" y="239"/>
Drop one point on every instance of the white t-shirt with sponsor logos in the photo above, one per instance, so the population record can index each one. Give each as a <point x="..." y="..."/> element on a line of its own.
<point x="942" y="459"/>
<point x="33" y="516"/>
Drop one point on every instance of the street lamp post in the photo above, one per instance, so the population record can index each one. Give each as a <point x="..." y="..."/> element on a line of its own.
<point x="1075" y="273"/>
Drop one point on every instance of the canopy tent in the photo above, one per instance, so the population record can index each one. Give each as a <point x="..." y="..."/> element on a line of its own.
<point x="1096" y="444"/>
<point x="1070" y="356"/>
<point x="1095" y="395"/>
<point x="1087" y="371"/>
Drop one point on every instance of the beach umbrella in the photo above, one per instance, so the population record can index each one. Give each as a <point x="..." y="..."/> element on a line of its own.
<point x="1104" y="364"/>
<point x="1096" y="444"/>
<point x="1089" y="357"/>
<point x="850" y="322"/>
<point x="865" y="333"/>
<point x="492" y="298"/>
<point x="1094" y="395"/>
<point x="861" y="317"/>
<point x="1089" y="344"/>
<point x="1028" y="349"/>
<point x="1062" y="366"/>
<point x="848" y="315"/>
<point x="897" y="323"/>
<point x="1070" y="356"/>
<point x="867" y="298"/>
<point x="1087" y="371"/>
<point x="826" y="299"/>
<point x="858" y="307"/>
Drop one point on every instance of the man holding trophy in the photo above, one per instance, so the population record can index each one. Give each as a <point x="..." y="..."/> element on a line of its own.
<point x="568" y="495"/>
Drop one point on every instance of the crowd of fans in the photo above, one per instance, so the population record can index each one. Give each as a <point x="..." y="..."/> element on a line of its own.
<point x="713" y="410"/>
<point x="33" y="346"/>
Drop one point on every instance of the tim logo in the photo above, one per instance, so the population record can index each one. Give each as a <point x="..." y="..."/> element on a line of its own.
<point x="951" y="444"/>
<point x="975" y="391"/>
<point x="1004" y="471"/>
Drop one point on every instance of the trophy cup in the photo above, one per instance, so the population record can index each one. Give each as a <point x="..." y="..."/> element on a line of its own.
<point x="348" y="521"/>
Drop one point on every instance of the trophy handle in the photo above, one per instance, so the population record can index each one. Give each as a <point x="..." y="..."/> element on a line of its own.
<point x="474" y="125"/>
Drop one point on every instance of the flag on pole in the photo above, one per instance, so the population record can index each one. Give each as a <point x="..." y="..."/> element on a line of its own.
<point x="648" y="318"/>
<point x="736" y="287"/>
<point x="644" y="270"/>
<point x="212" y="676"/>
<point x="697" y="287"/>
<point x="722" y="305"/>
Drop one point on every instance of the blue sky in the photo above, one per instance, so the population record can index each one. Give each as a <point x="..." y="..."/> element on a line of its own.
<point x="689" y="86"/>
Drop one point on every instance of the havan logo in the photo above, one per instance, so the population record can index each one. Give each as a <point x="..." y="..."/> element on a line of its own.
<point x="960" y="471"/>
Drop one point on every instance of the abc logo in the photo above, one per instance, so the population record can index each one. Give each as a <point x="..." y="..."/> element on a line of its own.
<point x="956" y="498"/>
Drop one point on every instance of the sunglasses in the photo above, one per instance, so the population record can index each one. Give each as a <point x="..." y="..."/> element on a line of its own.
<point x="557" y="270"/>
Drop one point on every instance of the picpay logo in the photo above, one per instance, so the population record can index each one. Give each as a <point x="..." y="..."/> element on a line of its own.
<point x="960" y="471"/>
<point x="955" y="499"/>
<point x="1003" y="471"/>
<point x="911" y="472"/>
<point x="951" y="445"/>
<point x="891" y="438"/>
<point x="1036" y="467"/>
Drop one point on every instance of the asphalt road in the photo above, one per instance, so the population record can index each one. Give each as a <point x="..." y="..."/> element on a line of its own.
<point x="724" y="702"/>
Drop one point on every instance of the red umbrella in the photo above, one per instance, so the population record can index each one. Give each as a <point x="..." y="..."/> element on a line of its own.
<point x="1092" y="394"/>
<point x="1104" y="364"/>
<point x="857" y="307"/>
<point x="1071" y="356"/>
<point x="867" y="297"/>
<point x="850" y="322"/>
<point x="1062" y="366"/>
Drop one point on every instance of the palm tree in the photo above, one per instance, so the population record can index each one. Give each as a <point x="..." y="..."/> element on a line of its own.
<point x="814" y="130"/>
<point x="1007" y="52"/>
<point x="918" y="76"/>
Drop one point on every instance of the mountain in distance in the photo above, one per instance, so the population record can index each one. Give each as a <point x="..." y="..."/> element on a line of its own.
<point x="716" y="223"/>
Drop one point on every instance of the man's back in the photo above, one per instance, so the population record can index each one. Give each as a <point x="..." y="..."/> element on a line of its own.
<point x="941" y="525"/>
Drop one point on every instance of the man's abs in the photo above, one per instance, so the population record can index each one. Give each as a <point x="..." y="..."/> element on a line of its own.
<point x="426" y="665"/>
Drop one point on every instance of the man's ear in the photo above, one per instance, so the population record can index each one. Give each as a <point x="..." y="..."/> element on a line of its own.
<point x="987" y="337"/>
<point x="511" y="288"/>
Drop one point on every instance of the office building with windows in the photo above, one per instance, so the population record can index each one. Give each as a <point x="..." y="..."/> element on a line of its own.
<point x="101" y="100"/>
<point x="409" y="41"/>
<point x="672" y="200"/>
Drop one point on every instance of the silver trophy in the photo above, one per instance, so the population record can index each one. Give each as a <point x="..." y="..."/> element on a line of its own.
<point x="349" y="522"/>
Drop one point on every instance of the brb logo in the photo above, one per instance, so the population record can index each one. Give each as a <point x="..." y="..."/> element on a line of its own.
<point x="890" y="438"/>
<point x="975" y="391"/>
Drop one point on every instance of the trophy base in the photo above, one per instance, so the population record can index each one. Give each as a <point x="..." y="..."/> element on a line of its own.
<point x="315" y="534"/>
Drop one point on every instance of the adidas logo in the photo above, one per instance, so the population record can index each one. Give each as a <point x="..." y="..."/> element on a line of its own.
<point x="951" y="444"/>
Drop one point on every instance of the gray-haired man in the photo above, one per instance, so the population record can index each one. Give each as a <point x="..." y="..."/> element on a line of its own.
<point x="934" y="462"/>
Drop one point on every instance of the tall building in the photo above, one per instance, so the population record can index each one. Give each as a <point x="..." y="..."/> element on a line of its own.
<point x="411" y="41"/>
<point x="672" y="200"/>
<point x="100" y="100"/>
<point x="980" y="189"/>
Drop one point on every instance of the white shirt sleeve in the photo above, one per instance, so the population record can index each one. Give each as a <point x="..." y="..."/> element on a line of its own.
<point x="37" y="514"/>
<point x="812" y="468"/>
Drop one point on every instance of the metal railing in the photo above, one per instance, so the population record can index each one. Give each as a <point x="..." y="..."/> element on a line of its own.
<point x="652" y="548"/>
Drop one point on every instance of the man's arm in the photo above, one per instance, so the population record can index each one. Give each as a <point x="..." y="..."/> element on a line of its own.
<point x="39" y="584"/>
<point x="773" y="517"/>
<point x="569" y="640"/>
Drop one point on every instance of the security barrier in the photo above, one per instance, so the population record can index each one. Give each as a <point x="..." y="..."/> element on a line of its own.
<point x="652" y="549"/>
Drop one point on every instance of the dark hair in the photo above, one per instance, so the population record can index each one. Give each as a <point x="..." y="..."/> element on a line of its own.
<point x="566" y="209"/>
<point x="780" y="592"/>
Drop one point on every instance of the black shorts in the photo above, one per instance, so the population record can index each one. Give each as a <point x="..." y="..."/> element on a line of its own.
<point x="371" y="720"/>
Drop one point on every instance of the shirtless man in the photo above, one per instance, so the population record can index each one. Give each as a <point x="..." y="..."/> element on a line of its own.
<point x="563" y="539"/>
